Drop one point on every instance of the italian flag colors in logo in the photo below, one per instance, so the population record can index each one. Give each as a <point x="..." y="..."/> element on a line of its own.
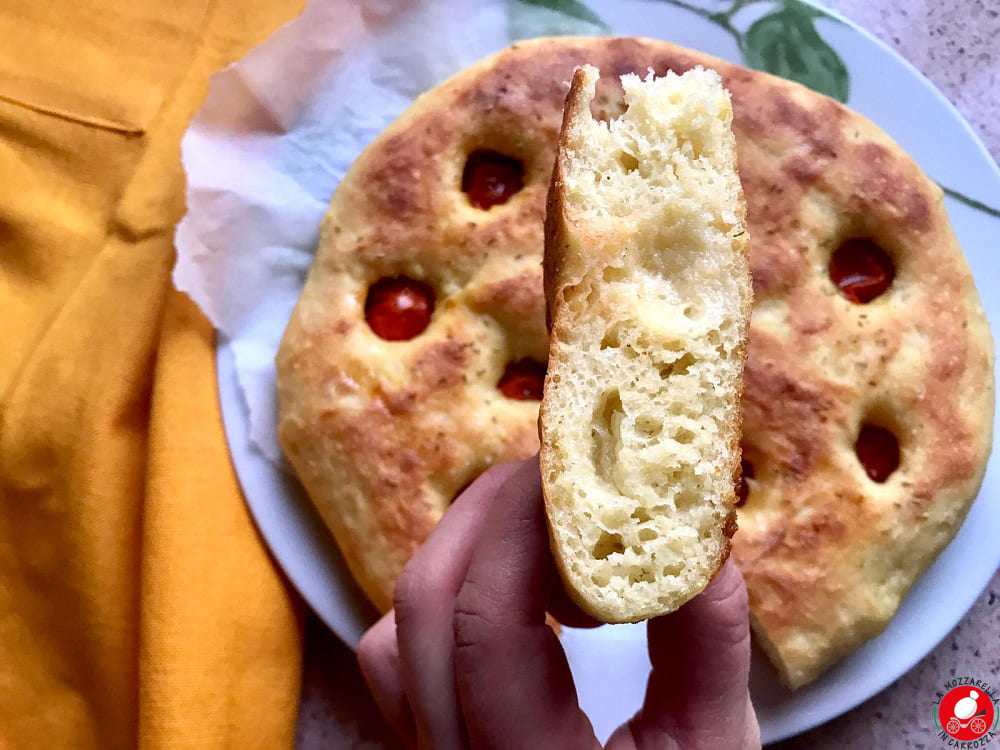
<point x="966" y="713"/>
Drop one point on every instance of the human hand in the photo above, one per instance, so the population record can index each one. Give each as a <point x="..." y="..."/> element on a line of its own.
<point x="465" y="659"/>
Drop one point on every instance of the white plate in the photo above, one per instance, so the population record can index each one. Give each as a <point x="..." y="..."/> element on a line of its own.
<point x="610" y="663"/>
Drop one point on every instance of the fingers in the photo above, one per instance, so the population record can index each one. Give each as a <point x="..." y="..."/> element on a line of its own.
<point x="697" y="694"/>
<point x="515" y="686"/>
<point x="424" y="601"/>
<point x="411" y="663"/>
<point x="378" y="657"/>
<point x="565" y="611"/>
<point x="468" y="646"/>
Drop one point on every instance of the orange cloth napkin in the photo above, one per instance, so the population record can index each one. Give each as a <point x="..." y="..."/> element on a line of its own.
<point x="138" y="606"/>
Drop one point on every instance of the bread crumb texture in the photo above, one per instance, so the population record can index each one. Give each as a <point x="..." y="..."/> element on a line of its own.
<point x="641" y="410"/>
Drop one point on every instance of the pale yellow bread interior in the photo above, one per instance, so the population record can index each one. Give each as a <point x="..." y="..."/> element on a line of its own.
<point x="649" y="293"/>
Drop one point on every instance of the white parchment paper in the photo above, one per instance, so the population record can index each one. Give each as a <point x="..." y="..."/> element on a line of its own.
<point x="275" y="136"/>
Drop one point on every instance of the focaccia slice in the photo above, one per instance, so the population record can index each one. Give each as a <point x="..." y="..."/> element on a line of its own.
<point x="648" y="289"/>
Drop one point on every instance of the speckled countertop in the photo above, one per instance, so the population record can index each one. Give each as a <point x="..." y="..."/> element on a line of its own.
<point x="954" y="43"/>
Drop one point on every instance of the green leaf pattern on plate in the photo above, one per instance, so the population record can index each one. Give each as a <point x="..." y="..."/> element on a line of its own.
<point x="533" y="18"/>
<point x="785" y="43"/>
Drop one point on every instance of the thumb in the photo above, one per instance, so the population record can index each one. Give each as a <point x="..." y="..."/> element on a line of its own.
<point x="697" y="695"/>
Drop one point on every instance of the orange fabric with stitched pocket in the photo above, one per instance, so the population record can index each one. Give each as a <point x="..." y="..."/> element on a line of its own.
<point x="138" y="605"/>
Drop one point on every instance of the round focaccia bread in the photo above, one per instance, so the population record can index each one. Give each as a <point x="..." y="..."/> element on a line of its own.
<point x="868" y="389"/>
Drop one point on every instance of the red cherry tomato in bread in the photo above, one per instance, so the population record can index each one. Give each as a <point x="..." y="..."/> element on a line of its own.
<point x="861" y="270"/>
<point x="490" y="178"/>
<point x="523" y="380"/>
<point x="399" y="308"/>
<point x="878" y="452"/>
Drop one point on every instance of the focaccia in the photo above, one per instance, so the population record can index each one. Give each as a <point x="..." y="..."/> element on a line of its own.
<point x="868" y="401"/>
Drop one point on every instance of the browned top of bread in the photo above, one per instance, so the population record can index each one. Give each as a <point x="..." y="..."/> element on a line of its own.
<point x="383" y="434"/>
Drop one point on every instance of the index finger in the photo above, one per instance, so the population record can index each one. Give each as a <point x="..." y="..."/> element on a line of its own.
<point x="513" y="679"/>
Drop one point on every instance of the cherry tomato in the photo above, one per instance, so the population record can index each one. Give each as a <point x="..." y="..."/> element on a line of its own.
<point x="523" y="380"/>
<point x="399" y="308"/>
<point x="490" y="178"/>
<point x="861" y="270"/>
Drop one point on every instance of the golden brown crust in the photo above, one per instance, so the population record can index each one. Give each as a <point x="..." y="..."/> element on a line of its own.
<point x="742" y="245"/>
<point x="555" y="256"/>
<point x="555" y="275"/>
<point x="382" y="434"/>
